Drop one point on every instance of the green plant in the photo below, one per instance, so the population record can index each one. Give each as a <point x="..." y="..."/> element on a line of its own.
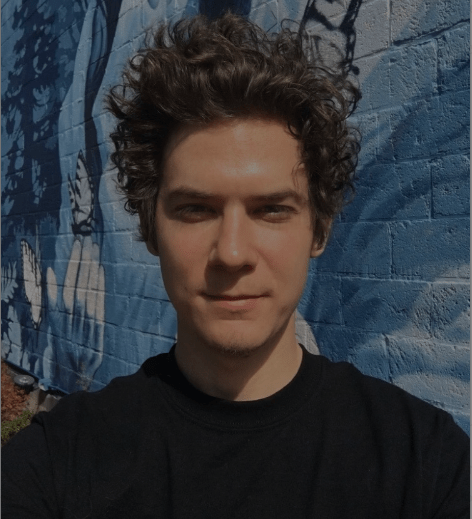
<point x="10" y="428"/>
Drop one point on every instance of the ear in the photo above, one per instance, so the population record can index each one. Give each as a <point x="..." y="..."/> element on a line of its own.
<point x="317" y="248"/>
<point x="152" y="249"/>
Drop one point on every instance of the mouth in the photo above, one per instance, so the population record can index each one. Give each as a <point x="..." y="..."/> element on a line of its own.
<point x="236" y="302"/>
<point x="233" y="298"/>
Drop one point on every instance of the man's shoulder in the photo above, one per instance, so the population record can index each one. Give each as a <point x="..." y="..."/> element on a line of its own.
<point x="127" y="395"/>
<point x="347" y="391"/>
<point x="345" y="379"/>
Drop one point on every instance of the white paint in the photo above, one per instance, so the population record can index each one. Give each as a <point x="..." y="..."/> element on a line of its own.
<point x="51" y="287"/>
<point x="71" y="276"/>
<point x="32" y="281"/>
<point x="305" y="335"/>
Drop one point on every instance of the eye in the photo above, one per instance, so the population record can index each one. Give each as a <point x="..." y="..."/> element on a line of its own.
<point x="276" y="212"/>
<point x="194" y="212"/>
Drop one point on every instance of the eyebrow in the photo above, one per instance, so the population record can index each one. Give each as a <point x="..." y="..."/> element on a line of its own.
<point x="274" y="197"/>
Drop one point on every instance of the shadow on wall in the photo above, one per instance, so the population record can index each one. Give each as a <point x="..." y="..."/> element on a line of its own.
<point x="381" y="295"/>
<point x="31" y="187"/>
<point x="47" y="315"/>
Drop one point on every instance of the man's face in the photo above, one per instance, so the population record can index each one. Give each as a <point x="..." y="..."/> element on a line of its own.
<point x="234" y="233"/>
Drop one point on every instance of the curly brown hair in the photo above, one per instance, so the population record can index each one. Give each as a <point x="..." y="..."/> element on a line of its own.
<point x="202" y="70"/>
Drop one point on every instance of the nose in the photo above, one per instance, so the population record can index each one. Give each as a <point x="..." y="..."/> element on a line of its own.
<point x="233" y="248"/>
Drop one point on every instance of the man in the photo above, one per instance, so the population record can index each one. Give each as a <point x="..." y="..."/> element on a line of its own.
<point x="235" y="153"/>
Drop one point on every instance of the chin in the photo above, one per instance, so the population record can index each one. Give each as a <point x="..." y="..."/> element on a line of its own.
<point x="237" y="345"/>
<point x="234" y="350"/>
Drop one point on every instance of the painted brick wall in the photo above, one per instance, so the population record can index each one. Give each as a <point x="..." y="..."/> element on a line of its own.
<point x="83" y="301"/>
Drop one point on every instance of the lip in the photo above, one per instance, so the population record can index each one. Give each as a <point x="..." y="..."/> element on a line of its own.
<point x="239" y="302"/>
<point x="232" y="298"/>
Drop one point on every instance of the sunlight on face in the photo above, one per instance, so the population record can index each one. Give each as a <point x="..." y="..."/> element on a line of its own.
<point x="234" y="233"/>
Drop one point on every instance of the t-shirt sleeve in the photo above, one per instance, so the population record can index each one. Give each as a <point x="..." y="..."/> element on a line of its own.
<point x="451" y="498"/>
<point x="27" y="476"/>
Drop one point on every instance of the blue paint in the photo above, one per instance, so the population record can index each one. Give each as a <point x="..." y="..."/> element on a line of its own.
<point x="451" y="186"/>
<point x="421" y="17"/>
<point x="453" y="60"/>
<point x="359" y="249"/>
<point x="441" y="249"/>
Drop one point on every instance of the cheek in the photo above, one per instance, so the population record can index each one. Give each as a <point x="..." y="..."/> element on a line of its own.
<point x="287" y="251"/>
<point x="181" y="253"/>
<point x="190" y="246"/>
<point x="289" y="263"/>
<point x="291" y="268"/>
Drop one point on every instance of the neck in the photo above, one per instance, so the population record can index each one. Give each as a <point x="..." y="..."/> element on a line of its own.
<point x="261" y="372"/>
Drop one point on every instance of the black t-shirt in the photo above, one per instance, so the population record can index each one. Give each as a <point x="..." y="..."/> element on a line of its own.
<point x="333" y="443"/>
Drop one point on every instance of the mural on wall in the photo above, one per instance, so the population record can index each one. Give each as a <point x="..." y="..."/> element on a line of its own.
<point x="31" y="197"/>
<point x="81" y="305"/>
<point x="83" y="302"/>
<point x="33" y="194"/>
<point x="341" y="35"/>
<point x="399" y="253"/>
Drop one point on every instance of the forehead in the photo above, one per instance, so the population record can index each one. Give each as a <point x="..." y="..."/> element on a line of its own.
<point x="250" y="154"/>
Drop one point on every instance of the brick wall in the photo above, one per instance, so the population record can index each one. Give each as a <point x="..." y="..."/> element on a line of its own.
<point x="83" y="301"/>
